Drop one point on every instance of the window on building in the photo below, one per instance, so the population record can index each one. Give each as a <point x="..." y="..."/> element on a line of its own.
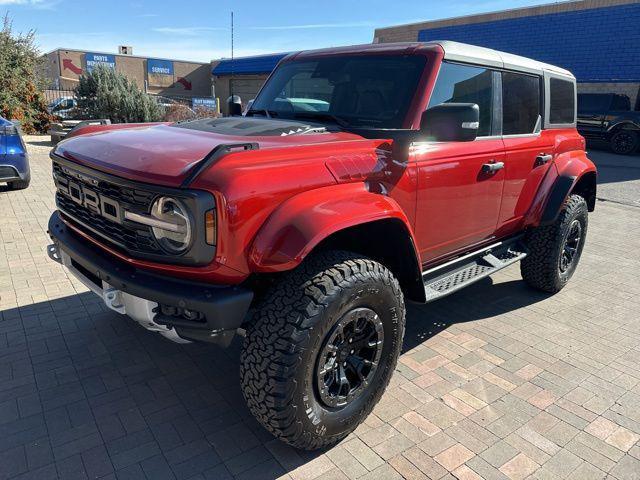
<point x="561" y="101"/>
<point x="465" y="84"/>
<point x="520" y="103"/>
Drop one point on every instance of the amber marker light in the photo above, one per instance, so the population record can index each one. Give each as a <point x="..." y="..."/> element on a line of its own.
<point x="210" y="227"/>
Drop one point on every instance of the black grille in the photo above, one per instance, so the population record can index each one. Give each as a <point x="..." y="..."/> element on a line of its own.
<point x="125" y="236"/>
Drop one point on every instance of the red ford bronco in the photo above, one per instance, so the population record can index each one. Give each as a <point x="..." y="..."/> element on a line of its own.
<point x="360" y="178"/>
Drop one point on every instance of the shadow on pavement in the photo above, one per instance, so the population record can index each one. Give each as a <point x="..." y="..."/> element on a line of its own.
<point x="85" y="385"/>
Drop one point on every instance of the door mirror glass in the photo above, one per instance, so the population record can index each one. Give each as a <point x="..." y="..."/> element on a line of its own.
<point x="451" y="122"/>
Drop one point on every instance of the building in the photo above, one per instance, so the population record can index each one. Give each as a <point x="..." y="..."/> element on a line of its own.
<point x="242" y="76"/>
<point x="63" y="68"/>
<point x="598" y="40"/>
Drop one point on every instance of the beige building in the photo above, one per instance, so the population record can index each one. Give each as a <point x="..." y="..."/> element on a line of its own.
<point x="63" y="68"/>
<point x="598" y="40"/>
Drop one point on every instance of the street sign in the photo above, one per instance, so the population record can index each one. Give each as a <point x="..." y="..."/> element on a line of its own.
<point x="206" y="103"/>
<point x="95" y="59"/>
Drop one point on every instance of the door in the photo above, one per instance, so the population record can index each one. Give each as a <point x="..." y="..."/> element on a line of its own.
<point x="592" y="110"/>
<point x="458" y="199"/>
<point x="528" y="149"/>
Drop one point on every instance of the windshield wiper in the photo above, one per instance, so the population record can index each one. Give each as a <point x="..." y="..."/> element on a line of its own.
<point x="263" y="111"/>
<point x="322" y="116"/>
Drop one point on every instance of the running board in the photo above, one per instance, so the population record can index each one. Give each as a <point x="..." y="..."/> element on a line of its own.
<point x="450" y="277"/>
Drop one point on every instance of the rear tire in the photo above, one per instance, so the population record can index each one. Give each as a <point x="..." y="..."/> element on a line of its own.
<point x="555" y="250"/>
<point x="332" y="305"/>
<point x="624" y="142"/>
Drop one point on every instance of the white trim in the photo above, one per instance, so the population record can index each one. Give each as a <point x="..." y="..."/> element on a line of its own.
<point x="487" y="57"/>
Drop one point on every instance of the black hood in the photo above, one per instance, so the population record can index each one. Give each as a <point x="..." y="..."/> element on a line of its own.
<point x="251" y="126"/>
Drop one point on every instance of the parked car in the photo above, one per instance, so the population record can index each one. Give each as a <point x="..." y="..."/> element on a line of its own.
<point x="434" y="165"/>
<point x="63" y="107"/>
<point x="14" y="161"/>
<point x="608" y="117"/>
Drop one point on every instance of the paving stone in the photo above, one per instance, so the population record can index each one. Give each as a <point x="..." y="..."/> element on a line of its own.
<point x="505" y="379"/>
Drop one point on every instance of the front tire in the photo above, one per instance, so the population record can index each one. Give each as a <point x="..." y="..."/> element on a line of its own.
<point x="555" y="250"/>
<point x="302" y="377"/>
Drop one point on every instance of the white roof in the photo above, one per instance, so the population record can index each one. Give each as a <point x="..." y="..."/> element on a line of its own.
<point x="465" y="53"/>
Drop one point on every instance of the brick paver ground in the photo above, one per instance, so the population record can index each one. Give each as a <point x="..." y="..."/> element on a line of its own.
<point x="497" y="381"/>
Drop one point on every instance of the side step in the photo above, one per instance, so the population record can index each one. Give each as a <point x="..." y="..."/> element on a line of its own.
<point x="461" y="272"/>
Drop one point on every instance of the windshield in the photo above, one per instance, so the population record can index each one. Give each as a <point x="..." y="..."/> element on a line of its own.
<point x="361" y="91"/>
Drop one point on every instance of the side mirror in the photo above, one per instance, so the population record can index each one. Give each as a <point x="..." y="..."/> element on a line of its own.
<point x="451" y="122"/>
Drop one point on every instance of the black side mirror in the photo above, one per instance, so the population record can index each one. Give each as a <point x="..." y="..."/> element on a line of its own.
<point x="451" y="122"/>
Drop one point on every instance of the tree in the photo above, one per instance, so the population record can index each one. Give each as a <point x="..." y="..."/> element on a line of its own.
<point x="20" y="95"/>
<point x="105" y="93"/>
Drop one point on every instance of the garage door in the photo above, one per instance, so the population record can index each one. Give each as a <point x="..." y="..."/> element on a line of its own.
<point x="246" y="88"/>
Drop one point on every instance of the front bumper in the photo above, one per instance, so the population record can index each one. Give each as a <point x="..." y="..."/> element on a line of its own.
<point x="140" y="294"/>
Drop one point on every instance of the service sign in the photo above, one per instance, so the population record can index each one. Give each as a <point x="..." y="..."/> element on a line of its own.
<point x="206" y="103"/>
<point x="95" y="59"/>
<point x="159" y="67"/>
<point x="160" y="73"/>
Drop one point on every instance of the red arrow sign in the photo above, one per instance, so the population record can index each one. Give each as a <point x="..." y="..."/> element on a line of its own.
<point x="186" y="83"/>
<point x="67" y="64"/>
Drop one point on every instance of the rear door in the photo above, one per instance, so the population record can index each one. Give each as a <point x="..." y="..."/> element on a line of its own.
<point x="528" y="149"/>
<point x="457" y="202"/>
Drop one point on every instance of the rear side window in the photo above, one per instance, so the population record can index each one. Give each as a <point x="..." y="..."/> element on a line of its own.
<point x="620" y="103"/>
<point x="520" y="103"/>
<point x="464" y="84"/>
<point x="561" y="101"/>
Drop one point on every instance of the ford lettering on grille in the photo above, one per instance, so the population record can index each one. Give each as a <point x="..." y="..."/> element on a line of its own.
<point x="90" y="199"/>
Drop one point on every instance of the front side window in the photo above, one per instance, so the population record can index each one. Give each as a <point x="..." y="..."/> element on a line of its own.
<point x="520" y="103"/>
<point x="369" y="91"/>
<point x="465" y="84"/>
<point x="562" y="94"/>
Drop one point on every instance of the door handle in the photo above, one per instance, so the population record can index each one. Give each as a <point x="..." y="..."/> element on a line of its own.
<point x="543" y="158"/>
<point x="492" y="167"/>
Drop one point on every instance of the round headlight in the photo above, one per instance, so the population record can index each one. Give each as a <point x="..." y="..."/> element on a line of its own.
<point x="173" y="229"/>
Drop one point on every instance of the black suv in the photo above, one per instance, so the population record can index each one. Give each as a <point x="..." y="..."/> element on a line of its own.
<point x="608" y="117"/>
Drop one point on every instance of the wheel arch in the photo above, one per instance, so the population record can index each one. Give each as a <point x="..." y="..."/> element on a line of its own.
<point x="623" y="125"/>
<point x="342" y="217"/>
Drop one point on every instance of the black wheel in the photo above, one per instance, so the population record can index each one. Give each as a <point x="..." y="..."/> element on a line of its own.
<point x="18" y="184"/>
<point x="322" y="347"/>
<point x="624" y="142"/>
<point x="555" y="250"/>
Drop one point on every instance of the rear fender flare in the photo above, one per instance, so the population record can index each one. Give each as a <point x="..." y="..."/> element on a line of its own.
<point x="298" y="225"/>
<point x="572" y="170"/>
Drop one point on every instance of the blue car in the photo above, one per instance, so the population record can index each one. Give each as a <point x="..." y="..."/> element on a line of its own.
<point x="14" y="162"/>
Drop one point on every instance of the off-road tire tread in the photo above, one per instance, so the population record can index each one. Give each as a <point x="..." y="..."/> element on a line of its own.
<point x="275" y="338"/>
<point x="539" y="267"/>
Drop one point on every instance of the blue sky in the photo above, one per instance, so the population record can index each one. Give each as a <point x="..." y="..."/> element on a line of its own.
<point x="199" y="29"/>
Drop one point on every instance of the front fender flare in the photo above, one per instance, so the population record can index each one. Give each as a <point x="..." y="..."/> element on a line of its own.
<point x="298" y="225"/>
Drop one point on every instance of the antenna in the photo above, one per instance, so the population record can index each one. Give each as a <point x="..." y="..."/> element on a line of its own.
<point x="232" y="61"/>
